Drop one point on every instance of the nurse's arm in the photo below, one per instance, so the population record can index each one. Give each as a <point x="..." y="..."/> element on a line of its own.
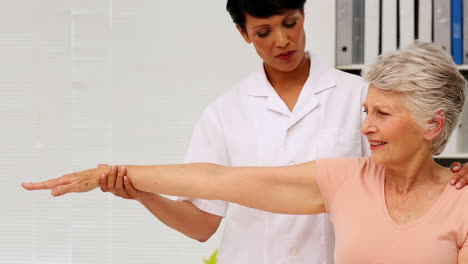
<point x="288" y="190"/>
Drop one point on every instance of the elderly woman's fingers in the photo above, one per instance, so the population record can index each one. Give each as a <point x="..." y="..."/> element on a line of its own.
<point x="62" y="189"/>
<point x="45" y="185"/>
<point x="81" y="181"/>
<point x="74" y="187"/>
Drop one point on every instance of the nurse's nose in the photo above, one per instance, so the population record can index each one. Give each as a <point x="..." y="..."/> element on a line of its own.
<point x="282" y="38"/>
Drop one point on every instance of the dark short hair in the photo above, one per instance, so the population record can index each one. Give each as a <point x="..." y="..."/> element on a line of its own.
<point x="260" y="8"/>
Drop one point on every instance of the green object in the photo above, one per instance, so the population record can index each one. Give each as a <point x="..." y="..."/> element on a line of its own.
<point x="213" y="259"/>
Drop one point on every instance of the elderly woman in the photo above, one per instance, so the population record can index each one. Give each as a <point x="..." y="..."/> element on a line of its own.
<point x="393" y="207"/>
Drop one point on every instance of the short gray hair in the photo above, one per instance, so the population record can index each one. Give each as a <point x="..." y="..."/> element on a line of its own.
<point x="430" y="81"/>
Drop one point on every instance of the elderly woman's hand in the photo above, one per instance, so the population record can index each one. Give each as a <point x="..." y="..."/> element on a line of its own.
<point x="82" y="181"/>
<point x="459" y="179"/>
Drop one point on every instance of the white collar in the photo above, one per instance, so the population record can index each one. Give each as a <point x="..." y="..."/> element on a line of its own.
<point x="320" y="78"/>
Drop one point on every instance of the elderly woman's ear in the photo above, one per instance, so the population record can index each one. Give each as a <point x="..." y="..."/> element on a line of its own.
<point x="436" y="126"/>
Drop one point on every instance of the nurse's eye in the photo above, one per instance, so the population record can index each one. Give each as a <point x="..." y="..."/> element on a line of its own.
<point x="291" y="24"/>
<point x="365" y="111"/>
<point x="263" y="34"/>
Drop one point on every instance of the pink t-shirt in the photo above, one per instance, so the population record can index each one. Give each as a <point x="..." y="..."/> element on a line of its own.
<point x="353" y="191"/>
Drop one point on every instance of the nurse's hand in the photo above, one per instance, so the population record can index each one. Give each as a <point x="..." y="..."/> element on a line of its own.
<point x="116" y="182"/>
<point x="459" y="179"/>
<point x="82" y="181"/>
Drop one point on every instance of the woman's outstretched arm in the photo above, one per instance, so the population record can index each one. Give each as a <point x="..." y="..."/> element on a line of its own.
<point x="288" y="189"/>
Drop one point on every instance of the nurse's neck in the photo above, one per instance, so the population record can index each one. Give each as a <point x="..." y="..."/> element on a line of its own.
<point x="288" y="85"/>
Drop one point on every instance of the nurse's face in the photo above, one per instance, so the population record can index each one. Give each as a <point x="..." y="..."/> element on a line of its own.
<point x="279" y="40"/>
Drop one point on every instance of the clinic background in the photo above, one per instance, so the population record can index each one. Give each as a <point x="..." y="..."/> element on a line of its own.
<point x="84" y="82"/>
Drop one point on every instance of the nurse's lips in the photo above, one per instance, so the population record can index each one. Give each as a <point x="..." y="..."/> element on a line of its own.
<point x="286" y="55"/>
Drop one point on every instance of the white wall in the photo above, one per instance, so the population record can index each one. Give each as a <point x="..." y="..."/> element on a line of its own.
<point x="84" y="82"/>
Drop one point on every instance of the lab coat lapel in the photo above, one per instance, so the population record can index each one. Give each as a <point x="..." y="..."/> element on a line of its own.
<point x="320" y="79"/>
<point x="276" y="104"/>
<point x="261" y="87"/>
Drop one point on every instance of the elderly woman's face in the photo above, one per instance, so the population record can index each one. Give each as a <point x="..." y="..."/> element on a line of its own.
<point x="393" y="135"/>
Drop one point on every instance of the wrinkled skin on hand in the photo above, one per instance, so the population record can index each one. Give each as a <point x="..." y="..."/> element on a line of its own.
<point x="82" y="181"/>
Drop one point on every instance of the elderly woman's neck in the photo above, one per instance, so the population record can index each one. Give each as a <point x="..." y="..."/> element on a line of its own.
<point x="419" y="172"/>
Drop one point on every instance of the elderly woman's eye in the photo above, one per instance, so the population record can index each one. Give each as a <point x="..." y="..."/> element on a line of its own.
<point x="383" y="113"/>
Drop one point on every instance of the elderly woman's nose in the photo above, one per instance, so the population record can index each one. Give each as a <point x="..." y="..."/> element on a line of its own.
<point x="367" y="127"/>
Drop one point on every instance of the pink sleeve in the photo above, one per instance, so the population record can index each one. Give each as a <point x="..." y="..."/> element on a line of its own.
<point x="332" y="174"/>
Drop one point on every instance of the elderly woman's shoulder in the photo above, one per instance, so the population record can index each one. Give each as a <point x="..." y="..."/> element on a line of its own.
<point x="361" y="163"/>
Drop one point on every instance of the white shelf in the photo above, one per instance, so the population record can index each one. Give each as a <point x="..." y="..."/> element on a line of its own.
<point x="353" y="67"/>
<point x="357" y="67"/>
<point x="463" y="67"/>
<point x="461" y="155"/>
